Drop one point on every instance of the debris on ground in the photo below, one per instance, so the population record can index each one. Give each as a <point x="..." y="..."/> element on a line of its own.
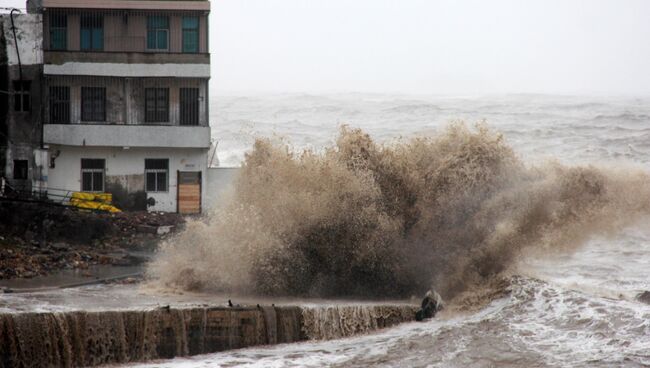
<point x="37" y="239"/>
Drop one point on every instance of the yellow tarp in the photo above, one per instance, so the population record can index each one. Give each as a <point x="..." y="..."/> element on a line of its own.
<point x="94" y="201"/>
<point x="97" y="197"/>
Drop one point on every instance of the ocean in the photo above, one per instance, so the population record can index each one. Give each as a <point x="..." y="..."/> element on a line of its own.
<point x="574" y="308"/>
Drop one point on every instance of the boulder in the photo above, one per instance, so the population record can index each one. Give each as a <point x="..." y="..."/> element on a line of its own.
<point x="431" y="304"/>
<point x="644" y="297"/>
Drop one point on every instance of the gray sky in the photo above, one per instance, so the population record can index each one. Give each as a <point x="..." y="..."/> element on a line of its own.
<point x="431" y="46"/>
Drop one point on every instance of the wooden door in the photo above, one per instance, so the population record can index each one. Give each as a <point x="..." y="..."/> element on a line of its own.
<point x="189" y="192"/>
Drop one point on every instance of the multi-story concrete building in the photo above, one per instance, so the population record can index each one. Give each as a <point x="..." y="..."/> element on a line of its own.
<point x="125" y="99"/>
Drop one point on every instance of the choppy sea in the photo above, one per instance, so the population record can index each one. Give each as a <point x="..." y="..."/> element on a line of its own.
<point x="573" y="310"/>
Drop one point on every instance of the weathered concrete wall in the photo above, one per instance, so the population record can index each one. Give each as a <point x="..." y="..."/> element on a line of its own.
<point x="116" y="69"/>
<point x="125" y="166"/>
<point x="127" y="135"/>
<point x="29" y="33"/>
<point x="62" y="57"/>
<point x="21" y="129"/>
<point x="94" y="338"/>
<point x="4" y="98"/>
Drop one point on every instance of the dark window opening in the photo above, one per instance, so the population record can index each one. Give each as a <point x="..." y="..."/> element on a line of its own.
<point x="22" y="95"/>
<point x="92" y="174"/>
<point x="58" y="31"/>
<point x="93" y="104"/>
<point x="191" y="34"/>
<point x="59" y="105"/>
<point x="156" y="105"/>
<point x="157" y="173"/>
<point x="157" y="32"/>
<point x="189" y="109"/>
<point x="20" y="169"/>
<point x="92" y="32"/>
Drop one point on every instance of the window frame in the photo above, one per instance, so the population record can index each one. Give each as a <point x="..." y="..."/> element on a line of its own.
<point x="93" y="171"/>
<point x="59" y="27"/>
<point x="156" y="30"/>
<point x="94" y="95"/>
<point x="156" y="171"/>
<point x="59" y="102"/>
<point x="93" y="29"/>
<point x="159" y="111"/>
<point x="22" y="95"/>
<point x="189" y="111"/>
<point x="185" y="30"/>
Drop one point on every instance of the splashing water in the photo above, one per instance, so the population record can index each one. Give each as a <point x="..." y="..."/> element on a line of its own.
<point x="360" y="219"/>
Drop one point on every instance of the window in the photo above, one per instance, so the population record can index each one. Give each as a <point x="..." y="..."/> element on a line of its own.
<point x="92" y="32"/>
<point x="22" y="99"/>
<point x="189" y="106"/>
<point x="92" y="174"/>
<point x="93" y="104"/>
<point x="58" y="31"/>
<point x="190" y="34"/>
<point x="156" y="105"/>
<point x="59" y="105"/>
<point x="156" y="171"/>
<point x="20" y="169"/>
<point x="157" y="32"/>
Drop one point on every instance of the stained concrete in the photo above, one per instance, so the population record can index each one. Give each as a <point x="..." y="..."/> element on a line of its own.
<point x="20" y="131"/>
<point x="79" y="338"/>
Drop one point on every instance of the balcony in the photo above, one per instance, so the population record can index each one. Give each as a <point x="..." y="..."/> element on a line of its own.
<point x="104" y="135"/>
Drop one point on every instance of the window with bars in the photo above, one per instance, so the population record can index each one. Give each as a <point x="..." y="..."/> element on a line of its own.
<point x="92" y="174"/>
<point x="189" y="109"/>
<point x="93" y="104"/>
<point x="191" y="34"/>
<point x="157" y="32"/>
<point x="58" y="31"/>
<point x="22" y="95"/>
<point x="92" y="32"/>
<point x="59" y="105"/>
<point x="156" y="105"/>
<point x="156" y="171"/>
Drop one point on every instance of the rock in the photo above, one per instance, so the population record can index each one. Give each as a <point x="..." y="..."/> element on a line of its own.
<point x="60" y="246"/>
<point x="644" y="297"/>
<point x="162" y="230"/>
<point x="431" y="304"/>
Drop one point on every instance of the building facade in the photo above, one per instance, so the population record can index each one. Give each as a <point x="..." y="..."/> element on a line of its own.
<point x="125" y="100"/>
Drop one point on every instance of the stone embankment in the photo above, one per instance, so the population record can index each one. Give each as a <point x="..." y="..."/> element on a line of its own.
<point x="74" y="339"/>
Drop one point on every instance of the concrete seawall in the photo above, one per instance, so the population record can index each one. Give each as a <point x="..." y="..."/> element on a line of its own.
<point x="77" y="338"/>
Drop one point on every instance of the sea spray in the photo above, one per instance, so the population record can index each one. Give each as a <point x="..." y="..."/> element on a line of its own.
<point x="368" y="220"/>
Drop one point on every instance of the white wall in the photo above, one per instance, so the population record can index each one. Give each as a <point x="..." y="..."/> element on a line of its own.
<point x="219" y="181"/>
<point x="67" y="171"/>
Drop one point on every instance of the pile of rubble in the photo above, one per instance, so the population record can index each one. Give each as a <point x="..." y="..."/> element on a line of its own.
<point x="36" y="239"/>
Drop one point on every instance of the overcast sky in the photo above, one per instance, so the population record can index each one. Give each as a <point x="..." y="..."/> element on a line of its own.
<point x="431" y="46"/>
